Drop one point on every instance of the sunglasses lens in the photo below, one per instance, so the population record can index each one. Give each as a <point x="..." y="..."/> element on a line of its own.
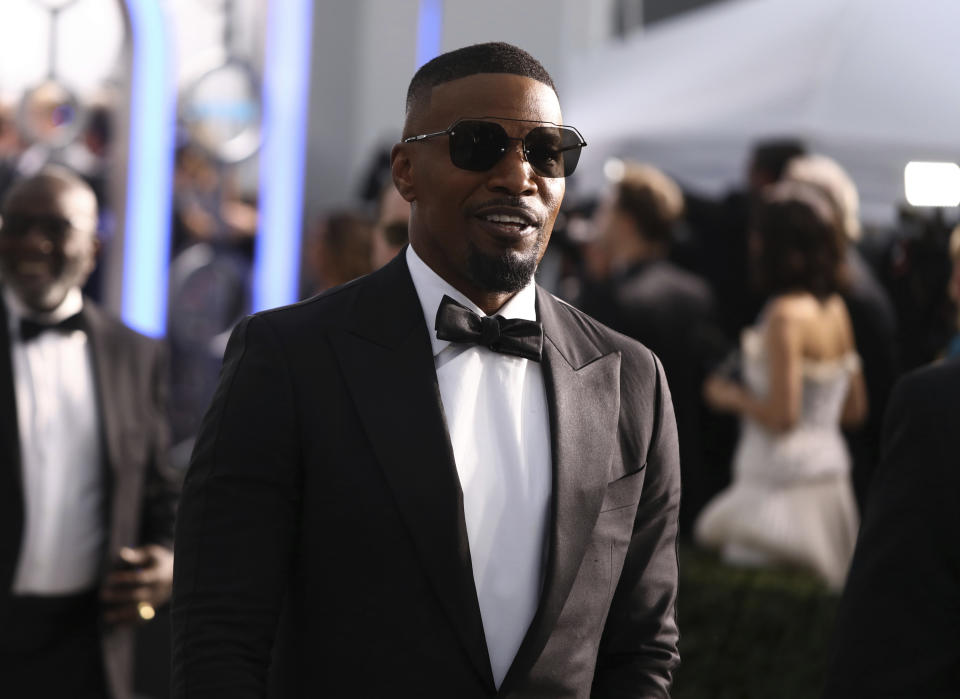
<point x="477" y="145"/>
<point x="553" y="151"/>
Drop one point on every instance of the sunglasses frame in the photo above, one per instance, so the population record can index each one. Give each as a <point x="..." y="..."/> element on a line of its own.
<point x="523" y="149"/>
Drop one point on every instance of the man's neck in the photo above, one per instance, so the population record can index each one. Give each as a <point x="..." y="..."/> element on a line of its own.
<point x="71" y="303"/>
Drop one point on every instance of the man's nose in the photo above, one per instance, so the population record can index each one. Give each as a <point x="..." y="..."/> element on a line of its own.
<point x="513" y="174"/>
<point x="38" y="239"/>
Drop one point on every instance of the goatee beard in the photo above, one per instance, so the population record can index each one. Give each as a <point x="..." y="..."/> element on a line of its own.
<point x="507" y="272"/>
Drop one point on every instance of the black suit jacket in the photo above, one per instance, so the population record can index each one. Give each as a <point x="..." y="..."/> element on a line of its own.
<point x="131" y="380"/>
<point x="323" y="493"/>
<point x="898" y="626"/>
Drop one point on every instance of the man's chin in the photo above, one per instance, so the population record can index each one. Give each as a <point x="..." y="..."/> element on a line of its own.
<point x="507" y="272"/>
<point x="40" y="300"/>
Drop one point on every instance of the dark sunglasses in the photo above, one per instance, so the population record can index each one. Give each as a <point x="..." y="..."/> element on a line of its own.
<point x="19" y="225"/>
<point x="478" y="145"/>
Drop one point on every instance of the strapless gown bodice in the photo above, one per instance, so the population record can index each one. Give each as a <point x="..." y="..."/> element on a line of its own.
<point x="791" y="500"/>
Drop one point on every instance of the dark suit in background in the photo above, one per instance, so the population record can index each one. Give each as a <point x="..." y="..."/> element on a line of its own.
<point x="875" y="333"/>
<point x="130" y="374"/>
<point x="68" y="632"/>
<point x="898" y="626"/>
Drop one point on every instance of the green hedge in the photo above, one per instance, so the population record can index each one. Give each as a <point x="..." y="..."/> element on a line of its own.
<point x="750" y="633"/>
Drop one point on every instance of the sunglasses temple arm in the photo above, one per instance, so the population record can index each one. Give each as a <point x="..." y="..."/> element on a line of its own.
<point x="413" y="139"/>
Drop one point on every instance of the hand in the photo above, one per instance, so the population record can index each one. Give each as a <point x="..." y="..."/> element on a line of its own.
<point x="721" y="394"/>
<point x="142" y="583"/>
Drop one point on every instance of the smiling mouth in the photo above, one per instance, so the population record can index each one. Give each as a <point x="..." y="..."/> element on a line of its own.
<point x="33" y="269"/>
<point x="508" y="225"/>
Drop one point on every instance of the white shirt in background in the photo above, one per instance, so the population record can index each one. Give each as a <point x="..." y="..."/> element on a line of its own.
<point x="61" y="458"/>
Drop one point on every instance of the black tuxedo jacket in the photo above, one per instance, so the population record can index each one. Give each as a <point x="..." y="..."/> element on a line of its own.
<point x="323" y="497"/>
<point x="131" y="380"/>
<point x="898" y="626"/>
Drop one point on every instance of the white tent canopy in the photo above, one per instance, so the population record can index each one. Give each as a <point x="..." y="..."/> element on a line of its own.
<point x="872" y="83"/>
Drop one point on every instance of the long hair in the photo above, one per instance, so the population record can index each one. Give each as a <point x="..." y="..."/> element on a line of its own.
<point x="801" y="243"/>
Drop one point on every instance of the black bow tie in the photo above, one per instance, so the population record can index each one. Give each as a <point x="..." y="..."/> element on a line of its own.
<point x="522" y="338"/>
<point x="30" y="329"/>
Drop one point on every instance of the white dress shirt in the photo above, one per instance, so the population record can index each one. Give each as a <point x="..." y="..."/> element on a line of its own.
<point x="496" y="410"/>
<point x="61" y="457"/>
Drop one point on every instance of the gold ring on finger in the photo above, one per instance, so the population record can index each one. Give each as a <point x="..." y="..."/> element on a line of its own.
<point x="146" y="611"/>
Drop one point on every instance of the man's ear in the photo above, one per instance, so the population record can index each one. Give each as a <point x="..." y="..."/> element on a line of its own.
<point x="402" y="170"/>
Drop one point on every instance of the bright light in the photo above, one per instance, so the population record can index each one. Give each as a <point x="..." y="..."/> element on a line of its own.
<point x="614" y="169"/>
<point x="932" y="184"/>
<point x="286" y="90"/>
<point x="146" y="247"/>
<point x="429" y="30"/>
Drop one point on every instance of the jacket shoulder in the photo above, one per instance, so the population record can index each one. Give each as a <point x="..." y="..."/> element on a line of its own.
<point x="324" y="311"/>
<point x="603" y="338"/>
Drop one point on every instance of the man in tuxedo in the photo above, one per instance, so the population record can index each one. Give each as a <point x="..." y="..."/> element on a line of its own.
<point x="438" y="480"/>
<point x="86" y="504"/>
<point x="898" y="625"/>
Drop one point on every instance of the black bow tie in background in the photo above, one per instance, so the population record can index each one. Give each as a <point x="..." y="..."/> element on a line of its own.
<point x="30" y="329"/>
<point x="521" y="338"/>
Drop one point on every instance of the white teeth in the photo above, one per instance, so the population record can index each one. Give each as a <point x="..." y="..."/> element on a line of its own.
<point x="506" y="218"/>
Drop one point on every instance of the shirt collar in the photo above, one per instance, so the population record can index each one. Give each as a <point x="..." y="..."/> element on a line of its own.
<point x="431" y="288"/>
<point x="17" y="309"/>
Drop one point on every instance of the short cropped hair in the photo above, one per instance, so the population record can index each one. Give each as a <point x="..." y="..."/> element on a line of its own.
<point x="651" y="199"/>
<point x="50" y="178"/>
<point x="397" y="233"/>
<point x="344" y="239"/>
<point x="802" y="243"/>
<point x="493" y="57"/>
<point x="771" y="156"/>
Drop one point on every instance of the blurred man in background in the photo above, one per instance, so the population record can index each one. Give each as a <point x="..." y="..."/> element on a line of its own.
<point x="650" y="299"/>
<point x="391" y="231"/>
<point x="719" y="235"/>
<point x="86" y="501"/>
<point x="339" y="249"/>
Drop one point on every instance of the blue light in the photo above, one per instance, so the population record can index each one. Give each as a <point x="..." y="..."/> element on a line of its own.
<point x="429" y="30"/>
<point x="146" y="246"/>
<point x="286" y="84"/>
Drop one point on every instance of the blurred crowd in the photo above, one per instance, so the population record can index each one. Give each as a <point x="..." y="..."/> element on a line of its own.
<point x="781" y="321"/>
<point x="679" y="271"/>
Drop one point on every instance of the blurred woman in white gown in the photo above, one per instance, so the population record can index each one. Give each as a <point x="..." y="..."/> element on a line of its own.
<point x="791" y="500"/>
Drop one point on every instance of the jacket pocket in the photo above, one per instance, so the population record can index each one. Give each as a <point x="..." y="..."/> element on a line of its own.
<point x="625" y="491"/>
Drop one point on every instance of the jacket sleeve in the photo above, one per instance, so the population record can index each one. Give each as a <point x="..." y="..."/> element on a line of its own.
<point x="237" y="524"/>
<point x="638" y="650"/>
<point x="161" y="482"/>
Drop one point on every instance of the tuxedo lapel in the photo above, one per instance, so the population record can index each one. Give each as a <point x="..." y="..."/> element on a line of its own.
<point x="387" y="360"/>
<point x="106" y="360"/>
<point x="11" y="480"/>
<point x="583" y="394"/>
